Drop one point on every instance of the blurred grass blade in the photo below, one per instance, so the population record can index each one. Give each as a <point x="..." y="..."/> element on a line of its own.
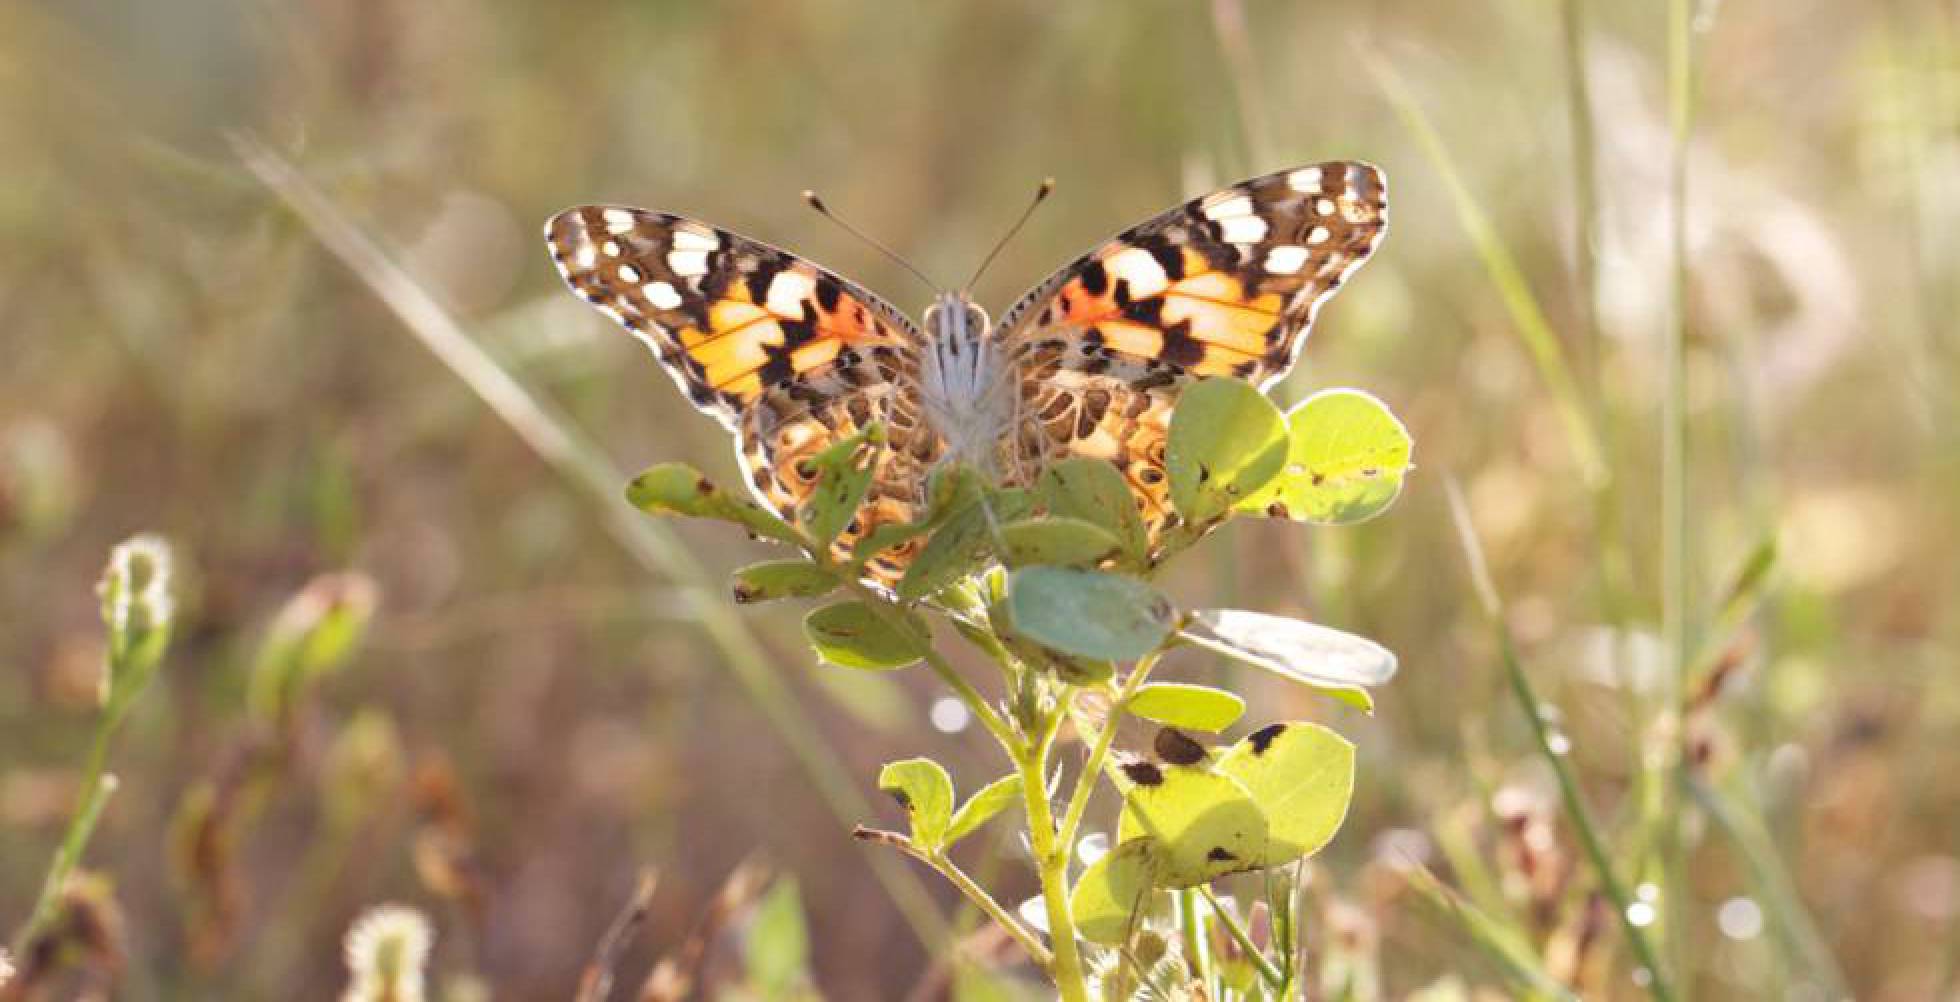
<point x="1511" y="952"/>
<point x="1568" y="784"/>
<point x="1527" y="317"/>
<point x="649" y="542"/>
<point x="1795" y="928"/>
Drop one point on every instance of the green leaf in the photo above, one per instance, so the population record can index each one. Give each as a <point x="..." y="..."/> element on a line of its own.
<point x="843" y="474"/>
<point x="1094" y="490"/>
<point x="1226" y="442"/>
<point x="922" y="787"/>
<point x="1203" y="824"/>
<point x="1111" y="893"/>
<point x="982" y="806"/>
<point x="1292" y="648"/>
<point x="853" y="635"/>
<point x="1058" y="541"/>
<point x="1301" y="775"/>
<point x="964" y="544"/>
<point x="778" y="945"/>
<point x="1346" y="458"/>
<point x="680" y="489"/>
<point x="774" y="579"/>
<point x="1198" y="707"/>
<point x="1088" y="613"/>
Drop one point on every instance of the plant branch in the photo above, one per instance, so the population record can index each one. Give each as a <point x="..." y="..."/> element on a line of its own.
<point x="945" y="866"/>
<point x="1085" y="784"/>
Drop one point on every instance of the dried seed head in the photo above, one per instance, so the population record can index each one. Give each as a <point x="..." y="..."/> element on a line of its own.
<point x="387" y="951"/>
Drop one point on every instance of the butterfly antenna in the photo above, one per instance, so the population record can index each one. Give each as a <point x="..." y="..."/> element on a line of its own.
<point x="824" y="211"/>
<point x="1047" y="188"/>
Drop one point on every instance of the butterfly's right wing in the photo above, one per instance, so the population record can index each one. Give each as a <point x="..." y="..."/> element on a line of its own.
<point x="787" y="356"/>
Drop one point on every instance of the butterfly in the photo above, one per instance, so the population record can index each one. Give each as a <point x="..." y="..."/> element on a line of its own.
<point x="791" y="358"/>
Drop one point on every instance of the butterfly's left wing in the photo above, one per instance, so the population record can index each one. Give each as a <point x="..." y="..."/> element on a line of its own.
<point x="1224" y="285"/>
<point x="786" y="355"/>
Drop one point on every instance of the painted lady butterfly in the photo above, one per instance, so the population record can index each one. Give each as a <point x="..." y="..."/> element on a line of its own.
<point x="791" y="358"/>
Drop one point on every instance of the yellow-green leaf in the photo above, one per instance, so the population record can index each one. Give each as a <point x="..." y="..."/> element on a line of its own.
<point x="981" y="808"/>
<point x="1059" y="541"/>
<point x="1203" y="824"/>
<point x="680" y="489"/>
<point x="1226" y="442"/>
<point x="1301" y="775"/>
<point x="1198" y="707"/>
<point x="1110" y="895"/>
<point x="774" y="579"/>
<point x="1346" y="458"/>
<point x="923" y="788"/>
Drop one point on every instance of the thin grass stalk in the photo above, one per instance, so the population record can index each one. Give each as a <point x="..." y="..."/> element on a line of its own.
<point x="1585" y="189"/>
<point x="1528" y="319"/>
<point x="98" y="785"/>
<point x="1570" y="797"/>
<point x="1235" y="44"/>
<point x="1802" y="941"/>
<point x="577" y="461"/>
<point x="1665" y="729"/>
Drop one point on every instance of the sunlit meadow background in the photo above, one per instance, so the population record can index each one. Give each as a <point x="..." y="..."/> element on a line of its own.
<point x="538" y="711"/>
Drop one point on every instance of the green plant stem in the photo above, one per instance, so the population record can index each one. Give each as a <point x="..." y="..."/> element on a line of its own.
<point x="986" y="903"/>
<point x="895" y="617"/>
<point x="1274" y="978"/>
<point x="1085" y="784"/>
<point x="1191" y="926"/>
<point x="97" y="786"/>
<point x="1051" y="860"/>
<point x="945" y="866"/>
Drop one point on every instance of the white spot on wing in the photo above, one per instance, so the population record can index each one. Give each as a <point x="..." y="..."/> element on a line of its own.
<point x="1242" y="229"/>
<point x="1324" y="206"/>
<point x="1139" y="268"/>
<point x="1306" y="180"/>
<point x="1317" y="236"/>
<point x="610" y="248"/>
<point x="1286" y="259"/>
<point x="586" y="256"/>
<point x="661" y="295"/>
<point x="628" y="273"/>
<point x="695" y="240"/>
<point x="787" y="293"/>
<point x="688" y="263"/>
<point x="618" y="221"/>
<point x="1236" y="205"/>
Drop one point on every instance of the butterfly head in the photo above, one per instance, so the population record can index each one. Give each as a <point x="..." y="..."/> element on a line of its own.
<point x="955" y="320"/>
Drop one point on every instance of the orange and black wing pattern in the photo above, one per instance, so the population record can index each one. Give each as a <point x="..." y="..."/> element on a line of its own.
<point x="788" y="356"/>
<point x="1227" y="285"/>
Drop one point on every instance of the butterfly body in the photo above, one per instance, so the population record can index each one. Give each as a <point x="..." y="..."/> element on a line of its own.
<point x="792" y="358"/>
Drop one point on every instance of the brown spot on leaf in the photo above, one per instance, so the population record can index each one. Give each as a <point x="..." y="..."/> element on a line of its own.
<point x="1263" y="738"/>
<point x="1178" y="748"/>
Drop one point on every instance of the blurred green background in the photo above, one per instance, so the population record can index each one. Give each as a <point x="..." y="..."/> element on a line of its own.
<point x="533" y="715"/>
